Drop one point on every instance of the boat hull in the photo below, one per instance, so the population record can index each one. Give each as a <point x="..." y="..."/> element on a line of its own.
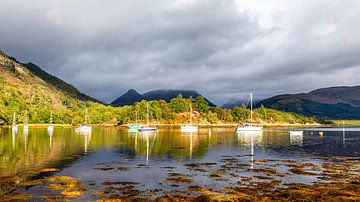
<point x="248" y="128"/>
<point x="146" y="129"/>
<point x="84" y="129"/>
<point x="299" y="133"/>
<point x="189" y="128"/>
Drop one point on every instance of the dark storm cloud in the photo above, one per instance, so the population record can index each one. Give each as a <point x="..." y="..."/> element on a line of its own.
<point x="223" y="49"/>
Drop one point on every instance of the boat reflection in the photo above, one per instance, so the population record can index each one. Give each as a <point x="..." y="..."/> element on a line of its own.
<point x="50" y="133"/>
<point x="296" y="137"/>
<point x="250" y="138"/>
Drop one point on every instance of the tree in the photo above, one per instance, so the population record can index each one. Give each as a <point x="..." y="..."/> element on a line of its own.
<point x="180" y="104"/>
<point x="201" y="104"/>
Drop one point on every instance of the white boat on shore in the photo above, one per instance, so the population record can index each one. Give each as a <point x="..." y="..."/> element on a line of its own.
<point x="248" y="126"/>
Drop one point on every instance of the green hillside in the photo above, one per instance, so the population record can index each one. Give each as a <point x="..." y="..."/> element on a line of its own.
<point x="29" y="91"/>
<point x="327" y="103"/>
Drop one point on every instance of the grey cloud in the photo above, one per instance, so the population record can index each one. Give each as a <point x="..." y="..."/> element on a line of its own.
<point x="212" y="46"/>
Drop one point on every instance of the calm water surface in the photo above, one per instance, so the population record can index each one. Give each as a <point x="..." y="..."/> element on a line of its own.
<point x="109" y="154"/>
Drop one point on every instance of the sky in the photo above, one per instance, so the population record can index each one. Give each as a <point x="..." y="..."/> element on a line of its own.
<point x="224" y="49"/>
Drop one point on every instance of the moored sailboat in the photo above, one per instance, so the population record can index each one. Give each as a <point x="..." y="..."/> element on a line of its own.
<point x="189" y="127"/>
<point x="84" y="128"/>
<point x="26" y="125"/>
<point x="248" y="126"/>
<point x="50" y="126"/>
<point x="147" y="127"/>
<point x="14" y="126"/>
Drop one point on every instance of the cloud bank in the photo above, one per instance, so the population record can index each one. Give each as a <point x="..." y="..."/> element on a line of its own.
<point x="222" y="48"/>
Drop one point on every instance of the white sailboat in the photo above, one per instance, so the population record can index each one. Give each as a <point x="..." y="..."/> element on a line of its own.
<point x="249" y="126"/>
<point x="50" y="126"/>
<point x="84" y="128"/>
<point x="147" y="127"/>
<point x="14" y="126"/>
<point x="189" y="128"/>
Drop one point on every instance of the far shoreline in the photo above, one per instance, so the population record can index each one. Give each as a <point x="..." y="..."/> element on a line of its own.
<point x="176" y="126"/>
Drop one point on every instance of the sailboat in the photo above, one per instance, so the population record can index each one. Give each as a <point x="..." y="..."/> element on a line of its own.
<point x="50" y="126"/>
<point x="14" y="126"/>
<point x="26" y="125"/>
<point x="189" y="127"/>
<point x="147" y="127"/>
<point x="249" y="126"/>
<point x="84" y="128"/>
<point x="133" y="127"/>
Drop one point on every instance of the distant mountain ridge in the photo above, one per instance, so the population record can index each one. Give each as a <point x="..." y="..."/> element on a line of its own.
<point x="132" y="96"/>
<point x="341" y="102"/>
<point x="238" y="103"/>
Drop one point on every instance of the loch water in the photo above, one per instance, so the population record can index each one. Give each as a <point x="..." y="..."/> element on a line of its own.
<point x="213" y="158"/>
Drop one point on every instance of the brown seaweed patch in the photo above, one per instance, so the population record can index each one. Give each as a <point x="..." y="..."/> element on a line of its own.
<point x="195" y="188"/>
<point x="194" y="165"/>
<point x="123" y="168"/>
<point x="72" y="193"/>
<point x="105" y="168"/>
<point x="119" y="183"/>
<point x="45" y="170"/>
<point x="299" y="171"/>
<point x="179" y="179"/>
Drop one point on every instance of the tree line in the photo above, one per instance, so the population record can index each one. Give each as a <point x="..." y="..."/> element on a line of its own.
<point x="177" y="111"/>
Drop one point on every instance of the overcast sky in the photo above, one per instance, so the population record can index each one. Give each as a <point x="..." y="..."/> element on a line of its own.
<point x="222" y="48"/>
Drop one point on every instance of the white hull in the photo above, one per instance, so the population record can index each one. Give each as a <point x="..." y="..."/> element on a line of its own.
<point x="50" y="128"/>
<point x="83" y="129"/>
<point x="146" y="129"/>
<point x="248" y="128"/>
<point x="14" y="128"/>
<point x="189" y="128"/>
<point x="296" y="133"/>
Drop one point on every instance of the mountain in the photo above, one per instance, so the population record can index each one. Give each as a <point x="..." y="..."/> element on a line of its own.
<point x="238" y="102"/>
<point x="131" y="96"/>
<point x="331" y="103"/>
<point x="26" y="88"/>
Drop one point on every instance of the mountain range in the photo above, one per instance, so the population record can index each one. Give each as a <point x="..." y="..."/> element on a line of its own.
<point x="26" y="85"/>
<point x="132" y="96"/>
<point x="341" y="102"/>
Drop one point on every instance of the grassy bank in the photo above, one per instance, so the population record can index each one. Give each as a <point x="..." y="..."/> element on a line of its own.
<point x="346" y="122"/>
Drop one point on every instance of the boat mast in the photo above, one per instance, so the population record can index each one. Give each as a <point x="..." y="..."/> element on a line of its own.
<point x="147" y="113"/>
<point x="51" y="118"/>
<point x="251" y="98"/>
<point x="190" y="114"/>
<point x="14" y="119"/>
<point x="136" y="116"/>
<point x="86" y="116"/>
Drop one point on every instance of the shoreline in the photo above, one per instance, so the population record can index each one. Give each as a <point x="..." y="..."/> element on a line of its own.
<point x="175" y="126"/>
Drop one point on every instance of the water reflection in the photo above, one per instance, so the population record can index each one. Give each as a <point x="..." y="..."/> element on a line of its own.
<point x="26" y="133"/>
<point x="37" y="148"/>
<point x="50" y="133"/>
<point x="296" y="137"/>
<point x="250" y="138"/>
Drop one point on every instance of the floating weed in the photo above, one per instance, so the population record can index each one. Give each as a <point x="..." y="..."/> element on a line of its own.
<point x="45" y="170"/>
<point x="179" y="179"/>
